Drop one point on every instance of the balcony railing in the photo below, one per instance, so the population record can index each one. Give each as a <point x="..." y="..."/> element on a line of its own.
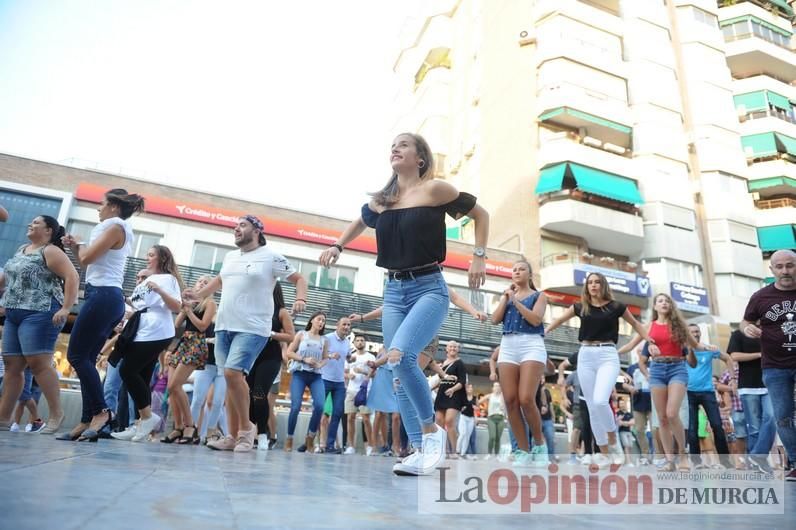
<point x="769" y="113"/>
<point x="576" y="194"/>
<point x="589" y="259"/>
<point x="770" y="204"/>
<point x="477" y="339"/>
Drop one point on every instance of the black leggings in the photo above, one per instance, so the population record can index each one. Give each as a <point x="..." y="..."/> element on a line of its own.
<point x="260" y="379"/>
<point x="136" y="370"/>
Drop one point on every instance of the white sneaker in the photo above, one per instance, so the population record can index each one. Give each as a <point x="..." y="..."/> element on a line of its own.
<point x="368" y="451"/>
<point x="28" y="427"/>
<point x="434" y="447"/>
<point x="586" y="459"/>
<point x="350" y="451"/>
<point x="600" y="460"/>
<point x="145" y="427"/>
<point x="14" y="427"/>
<point x="616" y="453"/>
<point x="409" y="466"/>
<point x="125" y="435"/>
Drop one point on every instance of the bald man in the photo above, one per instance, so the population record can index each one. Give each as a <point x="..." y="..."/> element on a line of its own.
<point x="771" y="316"/>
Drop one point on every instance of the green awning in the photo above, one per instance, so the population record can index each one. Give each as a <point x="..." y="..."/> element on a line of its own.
<point x="768" y="280"/>
<point x="764" y="144"/>
<point x="783" y="5"/>
<point x="752" y="101"/>
<point x="777" y="237"/>
<point x="586" y="116"/>
<point x="606" y="184"/>
<point x="551" y="179"/>
<point x="772" y="27"/>
<point x="788" y="144"/>
<point x="761" y="184"/>
<point x="453" y="232"/>
<point x="778" y="101"/>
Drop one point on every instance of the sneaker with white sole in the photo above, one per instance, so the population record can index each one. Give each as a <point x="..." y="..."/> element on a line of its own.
<point x="434" y="448"/>
<point x="616" y="453"/>
<point x="14" y="427"/>
<point x="411" y="466"/>
<point x="36" y="426"/>
<point x="145" y="427"/>
<point x="126" y="435"/>
<point x="245" y="441"/>
<point x="540" y="456"/>
<point x="350" y="451"/>
<point x="227" y="443"/>
<point x="600" y="460"/>
<point x="368" y="451"/>
<point x="586" y="459"/>
<point x="522" y="458"/>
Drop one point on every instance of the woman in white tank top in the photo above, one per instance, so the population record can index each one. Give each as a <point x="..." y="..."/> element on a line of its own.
<point x="103" y="258"/>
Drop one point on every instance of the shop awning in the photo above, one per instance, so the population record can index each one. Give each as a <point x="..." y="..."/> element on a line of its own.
<point x="778" y="237"/>
<point x="590" y="180"/>
<point x="772" y="182"/>
<point x="760" y="100"/>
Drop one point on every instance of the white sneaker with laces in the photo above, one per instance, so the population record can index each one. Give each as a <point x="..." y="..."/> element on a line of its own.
<point x="14" y="427"/>
<point x="28" y="427"/>
<point x="600" y="460"/>
<point x="350" y="451"/>
<point x="434" y="448"/>
<point x="586" y="460"/>
<point x="409" y="466"/>
<point x="125" y="435"/>
<point x="616" y="453"/>
<point x="145" y="427"/>
<point x="368" y="451"/>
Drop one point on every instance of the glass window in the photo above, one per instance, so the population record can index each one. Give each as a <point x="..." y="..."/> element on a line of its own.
<point x="143" y="242"/>
<point x="339" y="278"/>
<point x="80" y="229"/>
<point x="700" y="15"/>
<point x="22" y="209"/>
<point x="209" y="256"/>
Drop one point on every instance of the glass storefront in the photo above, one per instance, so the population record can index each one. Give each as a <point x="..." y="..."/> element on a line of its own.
<point x="22" y="208"/>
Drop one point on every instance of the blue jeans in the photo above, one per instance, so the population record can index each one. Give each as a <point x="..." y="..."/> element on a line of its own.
<point x="471" y="449"/>
<point x="101" y="311"/>
<point x="549" y="431"/>
<point x="113" y="382"/>
<point x="202" y="381"/>
<point x="302" y="379"/>
<point x="711" y="407"/>
<point x="414" y="310"/>
<point x="760" y="428"/>
<point x="337" y="389"/>
<point x="780" y="383"/>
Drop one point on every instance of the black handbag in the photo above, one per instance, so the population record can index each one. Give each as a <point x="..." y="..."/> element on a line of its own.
<point x="126" y="338"/>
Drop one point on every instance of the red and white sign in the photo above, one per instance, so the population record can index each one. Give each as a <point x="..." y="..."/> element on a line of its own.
<point x="273" y="227"/>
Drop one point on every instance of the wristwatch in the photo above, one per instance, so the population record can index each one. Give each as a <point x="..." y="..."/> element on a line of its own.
<point x="479" y="252"/>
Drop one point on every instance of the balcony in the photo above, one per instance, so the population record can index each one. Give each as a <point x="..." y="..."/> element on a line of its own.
<point x="597" y="220"/>
<point x="595" y="55"/>
<point x="776" y="211"/>
<point x="567" y="147"/>
<point x="578" y="107"/>
<point x="600" y="14"/>
<point x="750" y="55"/>
<point x="766" y="121"/>
<point x="629" y="284"/>
<point x="770" y="190"/>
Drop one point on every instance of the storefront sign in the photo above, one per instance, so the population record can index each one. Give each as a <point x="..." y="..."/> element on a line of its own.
<point x="620" y="281"/>
<point x="273" y="227"/>
<point x="690" y="298"/>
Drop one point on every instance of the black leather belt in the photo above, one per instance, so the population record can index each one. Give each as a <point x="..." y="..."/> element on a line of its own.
<point x="414" y="273"/>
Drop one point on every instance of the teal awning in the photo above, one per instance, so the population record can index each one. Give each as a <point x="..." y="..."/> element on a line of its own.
<point x="587" y="117"/>
<point x="771" y="182"/>
<point x="777" y="237"/>
<point x="764" y="144"/>
<point x="453" y="232"/>
<point x="788" y="144"/>
<point x="760" y="100"/>
<point x="752" y="18"/>
<point x="551" y="179"/>
<point x="783" y="5"/>
<point x="590" y="180"/>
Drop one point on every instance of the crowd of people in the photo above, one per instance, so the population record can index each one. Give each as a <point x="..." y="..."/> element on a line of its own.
<point x="136" y="356"/>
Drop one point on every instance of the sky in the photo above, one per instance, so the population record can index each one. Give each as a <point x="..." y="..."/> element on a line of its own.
<point x="288" y="103"/>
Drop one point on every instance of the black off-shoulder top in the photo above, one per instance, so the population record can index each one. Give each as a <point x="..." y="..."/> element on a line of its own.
<point x="407" y="238"/>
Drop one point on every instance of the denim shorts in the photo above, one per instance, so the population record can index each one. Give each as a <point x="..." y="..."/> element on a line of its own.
<point x="664" y="374"/>
<point x="237" y="350"/>
<point x="30" y="332"/>
<point x="739" y="424"/>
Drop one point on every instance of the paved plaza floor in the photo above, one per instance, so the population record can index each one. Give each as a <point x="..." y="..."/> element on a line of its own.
<point x="50" y="484"/>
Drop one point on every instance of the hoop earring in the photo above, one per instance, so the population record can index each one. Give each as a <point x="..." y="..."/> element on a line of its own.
<point x="422" y="164"/>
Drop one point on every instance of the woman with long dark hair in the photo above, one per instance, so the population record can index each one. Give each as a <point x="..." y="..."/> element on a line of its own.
<point x="156" y="300"/>
<point x="408" y="215"/>
<point x="40" y="288"/>
<point x="598" y="359"/>
<point x="189" y="355"/>
<point x="269" y="363"/>
<point x="521" y="361"/>
<point x="308" y="351"/>
<point x="103" y="258"/>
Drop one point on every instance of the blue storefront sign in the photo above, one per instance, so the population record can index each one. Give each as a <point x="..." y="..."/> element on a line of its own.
<point x="690" y="297"/>
<point x="620" y="281"/>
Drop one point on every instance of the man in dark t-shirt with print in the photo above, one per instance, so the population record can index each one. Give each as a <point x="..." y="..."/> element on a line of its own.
<point x="771" y="316"/>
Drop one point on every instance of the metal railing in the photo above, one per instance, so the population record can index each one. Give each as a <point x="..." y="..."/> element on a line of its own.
<point x="768" y="113"/>
<point x="767" y="204"/>
<point x="589" y="259"/>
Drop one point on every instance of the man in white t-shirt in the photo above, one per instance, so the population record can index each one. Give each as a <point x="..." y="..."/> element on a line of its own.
<point x="243" y="322"/>
<point x="358" y="372"/>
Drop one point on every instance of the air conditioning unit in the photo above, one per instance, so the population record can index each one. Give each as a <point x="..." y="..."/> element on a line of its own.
<point x="526" y="38"/>
<point x="618" y="149"/>
<point x="594" y="142"/>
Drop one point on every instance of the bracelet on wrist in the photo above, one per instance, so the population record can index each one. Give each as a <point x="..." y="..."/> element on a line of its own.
<point x="301" y="300"/>
<point x="338" y="246"/>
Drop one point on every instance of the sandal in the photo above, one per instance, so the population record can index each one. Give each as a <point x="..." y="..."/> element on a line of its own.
<point x="172" y="437"/>
<point x="668" y="467"/>
<point x="193" y="439"/>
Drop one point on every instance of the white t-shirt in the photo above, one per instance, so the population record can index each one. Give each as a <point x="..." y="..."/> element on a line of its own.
<point x="108" y="269"/>
<point x="158" y="322"/>
<point x="361" y="361"/>
<point x="247" y="291"/>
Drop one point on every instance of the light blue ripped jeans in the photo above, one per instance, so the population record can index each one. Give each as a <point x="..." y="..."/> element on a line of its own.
<point x="414" y="310"/>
